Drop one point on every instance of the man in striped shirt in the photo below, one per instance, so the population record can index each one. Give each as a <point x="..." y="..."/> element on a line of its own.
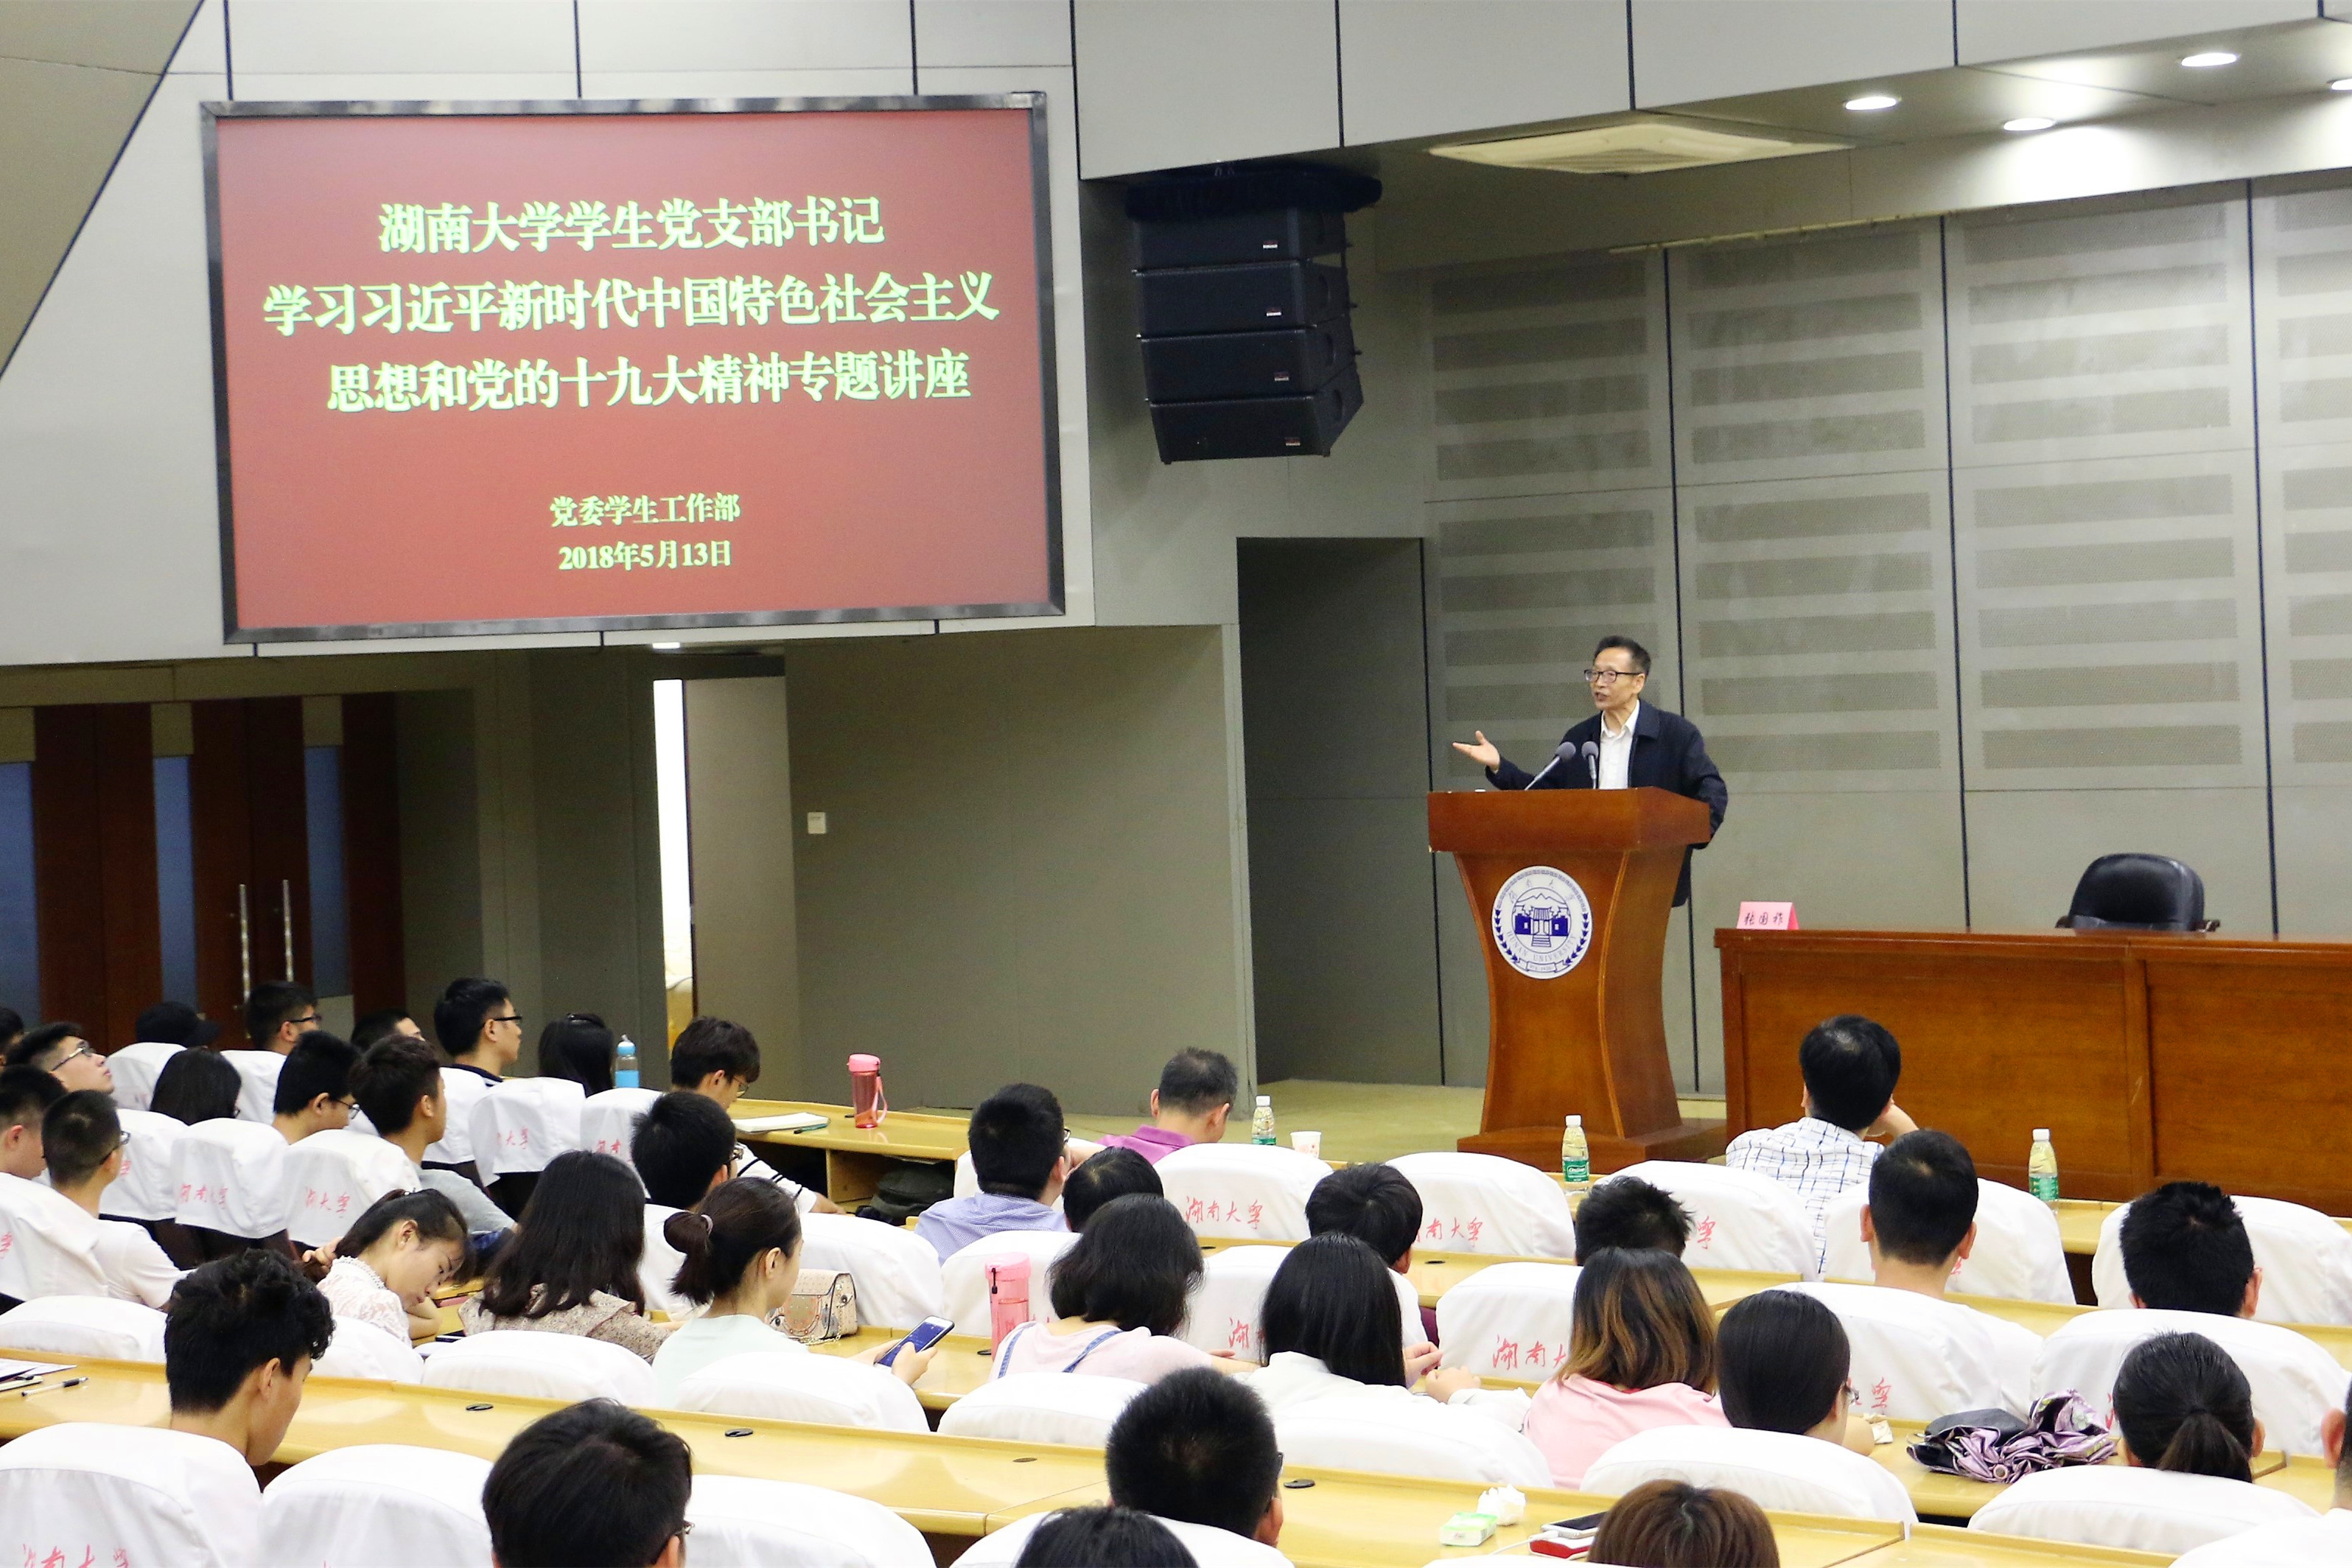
<point x="1850" y="1066"/>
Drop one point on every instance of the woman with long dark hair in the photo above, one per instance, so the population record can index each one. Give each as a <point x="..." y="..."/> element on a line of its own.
<point x="1784" y="1365"/>
<point x="570" y="1265"/>
<point x="197" y="1085"/>
<point x="1119" y="1295"/>
<point x="579" y="1047"/>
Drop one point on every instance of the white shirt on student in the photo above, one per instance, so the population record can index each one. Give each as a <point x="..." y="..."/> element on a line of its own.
<point x="136" y="1269"/>
<point x="2321" y="1543"/>
<point x="1293" y="1377"/>
<point x="1617" y="749"/>
<point x="695" y="1344"/>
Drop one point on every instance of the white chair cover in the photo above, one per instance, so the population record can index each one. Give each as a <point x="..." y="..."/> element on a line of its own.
<point x="1914" y="1358"/>
<point x="135" y="1067"/>
<point x="1042" y="1407"/>
<point x="608" y="1121"/>
<point x="1409" y="1438"/>
<point x="461" y="1092"/>
<point x="797" y="1385"/>
<point x="658" y="1269"/>
<point x="2019" y="1253"/>
<point x="2306" y="1259"/>
<point x="378" y="1505"/>
<point x="1481" y="1203"/>
<point x="521" y="1124"/>
<point x="1510" y="1320"/>
<point x="1781" y="1471"/>
<point x="1738" y="1219"/>
<point x="543" y="1365"/>
<point x="897" y="1272"/>
<point x="232" y="1176"/>
<point x="1210" y="1547"/>
<point x="147" y="1188"/>
<point x="1242" y="1191"/>
<point x="140" y="1495"/>
<point x="97" y="1327"/>
<point x="2137" y="1509"/>
<point x="256" y="1084"/>
<point x="1225" y="1314"/>
<point x="48" y="1245"/>
<point x="741" y="1521"/>
<point x="332" y="1177"/>
<point x="2295" y="1382"/>
<point x="363" y="1349"/>
<point x="964" y="1275"/>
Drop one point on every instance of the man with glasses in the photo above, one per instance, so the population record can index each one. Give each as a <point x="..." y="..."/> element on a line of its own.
<point x="59" y="1051"/>
<point x="1628" y="744"/>
<point x="480" y="1029"/>
<point x="277" y="1013"/>
<point x="82" y="1142"/>
<point x="314" y="1091"/>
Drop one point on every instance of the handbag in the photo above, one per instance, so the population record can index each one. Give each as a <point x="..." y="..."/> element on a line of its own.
<point x="824" y="1306"/>
<point x="1995" y="1446"/>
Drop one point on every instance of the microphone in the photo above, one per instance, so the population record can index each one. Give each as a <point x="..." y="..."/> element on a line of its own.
<point x="1592" y="762"/>
<point x="1565" y="750"/>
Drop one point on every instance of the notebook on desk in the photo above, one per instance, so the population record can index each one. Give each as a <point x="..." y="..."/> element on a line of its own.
<point x="789" y="1121"/>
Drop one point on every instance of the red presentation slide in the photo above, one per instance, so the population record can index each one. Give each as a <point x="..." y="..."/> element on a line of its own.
<point x="512" y="372"/>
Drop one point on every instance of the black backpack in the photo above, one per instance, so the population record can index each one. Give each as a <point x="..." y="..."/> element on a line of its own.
<point x="907" y="1189"/>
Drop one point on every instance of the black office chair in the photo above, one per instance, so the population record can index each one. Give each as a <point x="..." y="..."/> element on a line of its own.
<point x="2139" y="892"/>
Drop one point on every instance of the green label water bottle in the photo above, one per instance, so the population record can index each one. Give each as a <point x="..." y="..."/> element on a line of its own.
<point x="1575" y="1159"/>
<point x="1262" y="1120"/>
<point x="2042" y="1168"/>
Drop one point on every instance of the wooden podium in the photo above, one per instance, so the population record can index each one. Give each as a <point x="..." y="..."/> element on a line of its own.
<point x="1589" y="1038"/>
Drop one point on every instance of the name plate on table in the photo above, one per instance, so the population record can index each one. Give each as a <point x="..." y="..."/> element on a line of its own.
<point x="1756" y="916"/>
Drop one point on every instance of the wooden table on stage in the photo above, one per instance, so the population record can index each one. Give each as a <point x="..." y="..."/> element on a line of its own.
<point x="856" y="1157"/>
<point x="2150" y="1056"/>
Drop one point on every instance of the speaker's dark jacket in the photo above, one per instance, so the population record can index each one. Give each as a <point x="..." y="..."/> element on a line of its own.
<point x="1668" y="752"/>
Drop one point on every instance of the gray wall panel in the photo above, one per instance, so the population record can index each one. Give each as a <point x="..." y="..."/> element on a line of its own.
<point x="1424" y="68"/>
<point x="2014" y="29"/>
<point x="2028" y="848"/>
<point x="992" y="33"/>
<point x="1686" y="50"/>
<point x="1191" y="81"/>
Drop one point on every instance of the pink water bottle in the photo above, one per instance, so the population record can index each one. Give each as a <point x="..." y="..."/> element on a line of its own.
<point x="868" y="1103"/>
<point x="1008" y="1295"/>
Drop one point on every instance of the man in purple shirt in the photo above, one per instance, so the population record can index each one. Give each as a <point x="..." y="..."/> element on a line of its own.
<point x="1019" y="1151"/>
<point x="1195" y="1095"/>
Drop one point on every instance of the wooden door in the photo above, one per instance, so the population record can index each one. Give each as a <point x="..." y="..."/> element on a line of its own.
<point x="249" y="825"/>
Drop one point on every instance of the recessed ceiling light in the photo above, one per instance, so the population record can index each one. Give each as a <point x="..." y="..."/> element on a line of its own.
<point x="2030" y="123"/>
<point x="1870" y="103"/>
<point x="2341" y="84"/>
<point x="2208" y="58"/>
<point x="668" y="647"/>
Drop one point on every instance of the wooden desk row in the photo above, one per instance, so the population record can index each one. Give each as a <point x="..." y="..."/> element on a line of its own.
<point x="957" y="1487"/>
<point x="855" y="1158"/>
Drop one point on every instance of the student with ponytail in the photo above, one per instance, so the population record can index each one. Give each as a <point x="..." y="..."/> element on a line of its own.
<point x="742" y="1251"/>
<point x="2184" y="1406"/>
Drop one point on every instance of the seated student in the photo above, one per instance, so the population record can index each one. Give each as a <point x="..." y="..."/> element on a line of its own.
<point x="1332" y="1326"/>
<point x="1672" y="1524"/>
<point x="25" y="1096"/>
<point x="401" y="1249"/>
<point x="1105" y="1537"/>
<point x="580" y="1047"/>
<point x="1784" y="1363"/>
<point x="570" y="1265"/>
<point x="196" y="1086"/>
<point x="481" y="1035"/>
<point x="742" y="1252"/>
<point x="1627" y="1212"/>
<point x="278" y="1014"/>
<point x="2181" y="1404"/>
<point x="398" y="1087"/>
<point x="719" y="1060"/>
<point x="175" y="1023"/>
<point x="1018" y="1153"/>
<point x="682" y="1148"/>
<point x="1377" y="1205"/>
<point x="1119" y="1296"/>
<point x="240" y="1336"/>
<point x="2185" y="1249"/>
<point x="59" y="1051"/>
<point x="1099" y="1178"/>
<point x="82" y="1143"/>
<point x="1919" y="1224"/>
<point x="314" y="1088"/>
<point x="594" y="1485"/>
<point x="2303" y="1544"/>
<point x="1198" y="1450"/>
<point x="1195" y="1098"/>
<point x="1851" y="1065"/>
<point x="1641" y="1354"/>
<point x="381" y="1025"/>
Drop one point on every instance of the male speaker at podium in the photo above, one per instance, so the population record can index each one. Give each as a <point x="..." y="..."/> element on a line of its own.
<point x="1625" y="745"/>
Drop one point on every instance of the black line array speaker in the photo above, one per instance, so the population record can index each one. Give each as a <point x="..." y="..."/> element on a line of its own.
<point x="1241" y="306"/>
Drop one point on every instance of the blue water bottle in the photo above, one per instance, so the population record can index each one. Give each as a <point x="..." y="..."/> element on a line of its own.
<point x="624" y="1075"/>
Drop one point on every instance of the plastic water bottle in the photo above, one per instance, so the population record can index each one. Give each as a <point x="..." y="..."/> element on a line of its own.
<point x="2042" y="1168"/>
<point x="624" y="1071"/>
<point x="1262" y="1120"/>
<point x="1575" y="1158"/>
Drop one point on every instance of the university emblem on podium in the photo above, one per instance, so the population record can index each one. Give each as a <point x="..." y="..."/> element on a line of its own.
<point x="1543" y="923"/>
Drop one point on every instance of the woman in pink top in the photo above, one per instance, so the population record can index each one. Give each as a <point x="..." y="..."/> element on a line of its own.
<point x="1119" y="1296"/>
<point x="1641" y="1354"/>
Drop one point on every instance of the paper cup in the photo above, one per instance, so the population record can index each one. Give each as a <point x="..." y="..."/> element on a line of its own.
<point x="1307" y="1143"/>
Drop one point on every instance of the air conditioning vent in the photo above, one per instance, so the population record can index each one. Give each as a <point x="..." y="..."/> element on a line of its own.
<point x="1633" y="147"/>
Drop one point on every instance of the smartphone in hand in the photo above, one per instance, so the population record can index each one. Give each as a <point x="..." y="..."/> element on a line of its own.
<point x="926" y="1334"/>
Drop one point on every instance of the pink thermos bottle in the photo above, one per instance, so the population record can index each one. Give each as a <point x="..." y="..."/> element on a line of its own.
<point x="1008" y="1295"/>
<point x="868" y="1103"/>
